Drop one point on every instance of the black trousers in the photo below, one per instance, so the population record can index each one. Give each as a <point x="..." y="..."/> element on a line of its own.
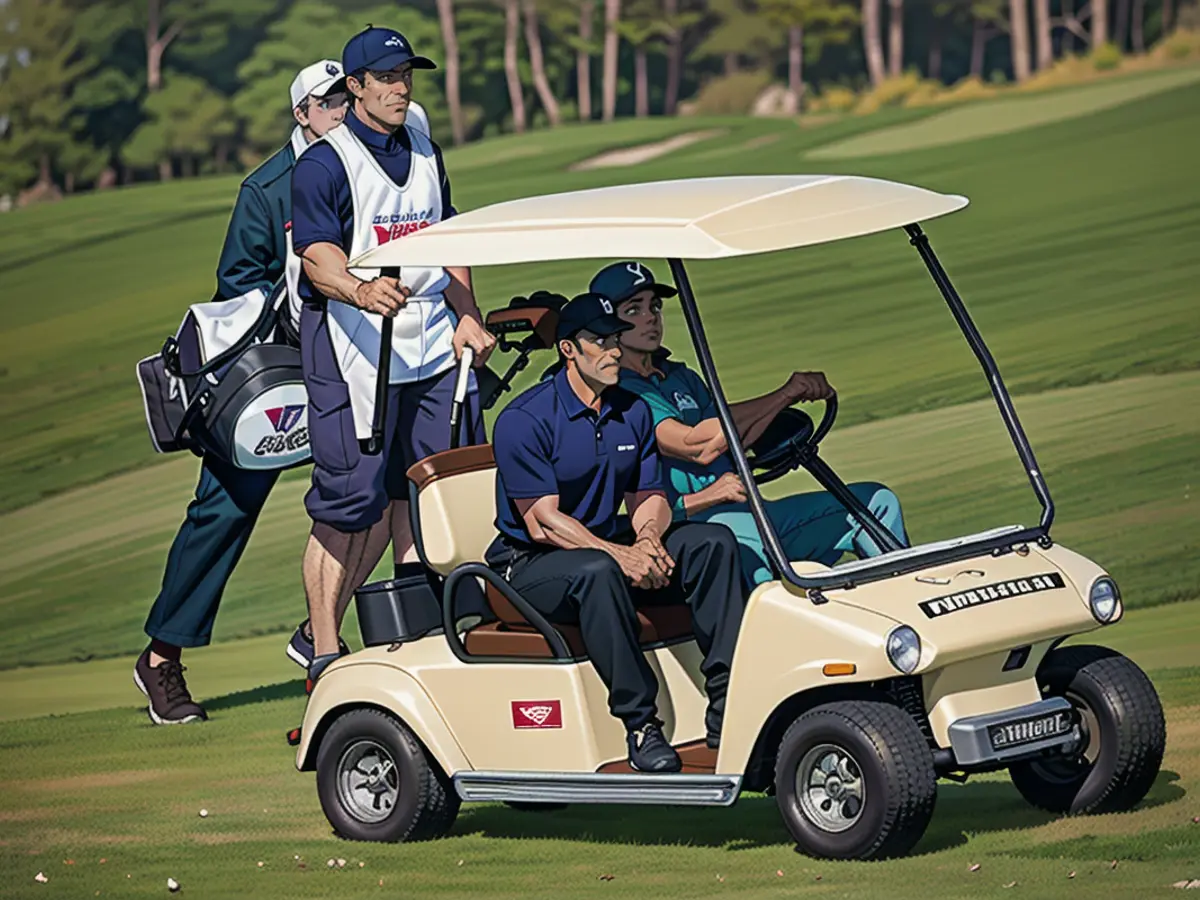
<point x="588" y="588"/>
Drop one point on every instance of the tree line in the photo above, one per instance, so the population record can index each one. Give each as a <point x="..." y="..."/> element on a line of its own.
<point x="99" y="92"/>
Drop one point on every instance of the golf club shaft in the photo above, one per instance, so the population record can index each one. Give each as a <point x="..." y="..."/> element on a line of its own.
<point x="460" y="394"/>
<point x="383" y="375"/>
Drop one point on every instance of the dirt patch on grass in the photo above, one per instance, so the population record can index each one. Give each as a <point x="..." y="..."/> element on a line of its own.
<point x="632" y="156"/>
<point x="90" y="782"/>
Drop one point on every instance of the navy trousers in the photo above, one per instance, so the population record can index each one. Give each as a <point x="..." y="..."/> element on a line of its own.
<point x="206" y="550"/>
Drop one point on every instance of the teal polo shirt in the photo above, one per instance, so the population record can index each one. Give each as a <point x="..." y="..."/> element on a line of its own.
<point x="676" y="392"/>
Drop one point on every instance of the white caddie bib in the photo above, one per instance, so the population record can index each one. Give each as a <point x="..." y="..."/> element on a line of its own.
<point x="423" y="331"/>
<point x="291" y="262"/>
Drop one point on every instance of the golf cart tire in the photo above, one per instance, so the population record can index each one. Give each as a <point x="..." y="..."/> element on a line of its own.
<point x="1133" y="735"/>
<point x="427" y="803"/>
<point x="895" y="765"/>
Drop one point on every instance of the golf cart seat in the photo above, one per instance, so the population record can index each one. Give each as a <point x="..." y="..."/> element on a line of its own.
<point x="454" y="516"/>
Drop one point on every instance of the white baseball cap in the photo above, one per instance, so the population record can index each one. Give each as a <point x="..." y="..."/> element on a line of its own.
<point x="315" y="80"/>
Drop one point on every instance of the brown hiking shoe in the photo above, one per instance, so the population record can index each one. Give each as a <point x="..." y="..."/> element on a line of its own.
<point x="163" y="685"/>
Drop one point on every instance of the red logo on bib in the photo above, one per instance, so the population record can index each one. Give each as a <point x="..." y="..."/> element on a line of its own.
<point x="537" y="714"/>
<point x="385" y="233"/>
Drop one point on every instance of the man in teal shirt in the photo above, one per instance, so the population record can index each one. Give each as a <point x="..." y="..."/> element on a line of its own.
<point x="702" y="484"/>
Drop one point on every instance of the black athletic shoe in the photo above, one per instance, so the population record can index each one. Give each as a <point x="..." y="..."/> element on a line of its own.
<point x="165" y="688"/>
<point x="652" y="753"/>
<point x="316" y="667"/>
<point x="300" y="647"/>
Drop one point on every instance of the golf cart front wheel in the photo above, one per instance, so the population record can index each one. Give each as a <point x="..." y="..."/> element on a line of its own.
<point x="376" y="783"/>
<point x="1124" y="734"/>
<point x="855" y="780"/>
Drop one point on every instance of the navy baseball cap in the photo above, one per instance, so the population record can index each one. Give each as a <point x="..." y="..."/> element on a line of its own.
<point x="622" y="280"/>
<point x="380" y="49"/>
<point x="592" y="312"/>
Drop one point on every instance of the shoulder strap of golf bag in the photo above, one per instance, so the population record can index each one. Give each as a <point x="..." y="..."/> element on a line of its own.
<point x="267" y="320"/>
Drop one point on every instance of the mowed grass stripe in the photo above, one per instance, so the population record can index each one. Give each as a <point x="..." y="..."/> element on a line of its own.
<point x="1075" y="257"/>
<point x="83" y="568"/>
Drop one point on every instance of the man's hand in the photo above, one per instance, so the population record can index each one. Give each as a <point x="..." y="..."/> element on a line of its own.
<point x="728" y="489"/>
<point x="650" y="542"/>
<point x="470" y="333"/>
<point x="382" y="295"/>
<point x="807" y="386"/>
<point x="639" y="567"/>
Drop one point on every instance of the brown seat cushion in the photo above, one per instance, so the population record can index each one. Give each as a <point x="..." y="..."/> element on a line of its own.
<point x="658" y="624"/>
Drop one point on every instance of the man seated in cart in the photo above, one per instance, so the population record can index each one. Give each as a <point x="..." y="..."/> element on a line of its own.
<point x="699" y="474"/>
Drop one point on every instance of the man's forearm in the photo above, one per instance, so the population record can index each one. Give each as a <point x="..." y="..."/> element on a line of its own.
<point x="650" y="515"/>
<point x="564" y="532"/>
<point x="701" y="500"/>
<point x="460" y="294"/>
<point x="325" y="266"/>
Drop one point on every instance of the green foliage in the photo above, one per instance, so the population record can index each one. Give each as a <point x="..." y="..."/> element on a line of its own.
<point x="186" y="120"/>
<point x="740" y="31"/>
<point x="1106" y="57"/>
<point x="732" y="94"/>
<point x="41" y="60"/>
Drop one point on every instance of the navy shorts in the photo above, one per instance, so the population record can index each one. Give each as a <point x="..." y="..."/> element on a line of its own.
<point x="350" y="488"/>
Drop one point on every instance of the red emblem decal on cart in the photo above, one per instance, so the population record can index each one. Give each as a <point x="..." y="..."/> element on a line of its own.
<point x="537" y="714"/>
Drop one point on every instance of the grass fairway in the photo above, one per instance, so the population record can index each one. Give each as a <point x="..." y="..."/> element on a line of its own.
<point x="120" y="799"/>
<point x="981" y="120"/>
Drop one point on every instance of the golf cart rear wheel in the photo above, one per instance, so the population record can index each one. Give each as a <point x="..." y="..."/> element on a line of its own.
<point x="855" y="780"/>
<point x="1124" y="735"/>
<point x="376" y="783"/>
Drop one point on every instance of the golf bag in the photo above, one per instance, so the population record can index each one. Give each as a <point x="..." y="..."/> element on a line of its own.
<point x="229" y="383"/>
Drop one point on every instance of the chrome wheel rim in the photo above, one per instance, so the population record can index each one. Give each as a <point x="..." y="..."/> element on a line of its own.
<point x="831" y="788"/>
<point x="368" y="783"/>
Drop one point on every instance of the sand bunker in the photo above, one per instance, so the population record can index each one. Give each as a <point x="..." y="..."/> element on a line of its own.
<point x="632" y="156"/>
<point x="992" y="117"/>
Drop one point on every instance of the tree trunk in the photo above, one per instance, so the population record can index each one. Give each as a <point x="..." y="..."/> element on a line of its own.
<point x="458" y="130"/>
<point x="1168" y="16"/>
<point x="641" y="84"/>
<point x="1099" y="23"/>
<point x="934" y="69"/>
<point x="222" y="155"/>
<point x="1139" y="22"/>
<point x="674" y="59"/>
<point x="612" y="16"/>
<point x="156" y="43"/>
<point x="1068" y="38"/>
<point x="69" y="182"/>
<point x="44" y="178"/>
<point x="1018" y="17"/>
<point x="512" y="25"/>
<point x="796" y="63"/>
<point x="731" y="63"/>
<point x="895" y="37"/>
<point x="873" y="40"/>
<point x="540" y="83"/>
<point x="979" y="39"/>
<point x="1122" y="24"/>
<point x="583" y="61"/>
<point x="1041" y="27"/>
<point x="164" y="170"/>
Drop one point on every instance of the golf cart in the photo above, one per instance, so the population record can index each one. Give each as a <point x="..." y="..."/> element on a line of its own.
<point x="854" y="687"/>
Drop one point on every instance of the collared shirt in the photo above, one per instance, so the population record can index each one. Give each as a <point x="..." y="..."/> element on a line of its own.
<point x="546" y="441"/>
<point x="322" y="208"/>
<point x="673" y="391"/>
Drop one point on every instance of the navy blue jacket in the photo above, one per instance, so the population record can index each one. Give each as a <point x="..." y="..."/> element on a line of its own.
<point x="255" y="247"/>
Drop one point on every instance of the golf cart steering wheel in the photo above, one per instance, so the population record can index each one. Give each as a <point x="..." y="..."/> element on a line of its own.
<point x="787" y="441"/>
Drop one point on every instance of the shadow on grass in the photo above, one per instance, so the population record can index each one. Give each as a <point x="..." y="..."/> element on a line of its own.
<point x="284" y="690"/>
<point x="971" y="809"/>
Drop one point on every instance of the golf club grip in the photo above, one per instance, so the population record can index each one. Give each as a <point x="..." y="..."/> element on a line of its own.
<point x="460" y="393"/>
<point x="383" y="374"/>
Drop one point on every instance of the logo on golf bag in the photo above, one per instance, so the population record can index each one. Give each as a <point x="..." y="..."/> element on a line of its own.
<point x="989" y="593"/>
<point x="286" y="437"/>
<point x="537" y="714"/>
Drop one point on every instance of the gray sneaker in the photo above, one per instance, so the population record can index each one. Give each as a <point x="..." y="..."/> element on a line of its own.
<point x="165" y="688"/>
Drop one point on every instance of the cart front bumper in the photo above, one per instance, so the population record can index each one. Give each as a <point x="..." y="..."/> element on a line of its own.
<point x="1048" y="725"/>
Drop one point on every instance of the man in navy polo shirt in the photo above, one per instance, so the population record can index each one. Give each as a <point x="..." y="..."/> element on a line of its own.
<point x="569" y="452"/>
<point x="375" y="179"/>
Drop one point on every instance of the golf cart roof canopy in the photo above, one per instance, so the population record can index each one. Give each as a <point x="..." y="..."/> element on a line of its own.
<point x="692" y="218"/>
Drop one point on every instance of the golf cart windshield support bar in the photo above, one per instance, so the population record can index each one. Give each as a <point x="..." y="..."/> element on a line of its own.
<point x="920" y="240"/>
<point x="704" y="356"/>
<point x="828" y="479"/>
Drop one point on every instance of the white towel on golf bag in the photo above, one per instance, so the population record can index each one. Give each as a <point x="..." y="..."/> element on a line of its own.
<point x="222" y="323"/>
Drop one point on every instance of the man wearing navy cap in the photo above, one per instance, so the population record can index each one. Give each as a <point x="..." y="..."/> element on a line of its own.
<point x="702" y="483"/>
<point x="569" y="451"/>
<point x="375" y="179"/>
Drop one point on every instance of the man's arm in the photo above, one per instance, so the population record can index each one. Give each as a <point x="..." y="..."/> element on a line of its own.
<point x="325" y="266"/>
<point x="248" y="254"/>
<point x="705" y="442"/>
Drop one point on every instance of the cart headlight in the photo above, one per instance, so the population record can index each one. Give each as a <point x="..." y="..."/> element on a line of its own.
<point x="1105" y="600"/>
<point x="904" y="649"/>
